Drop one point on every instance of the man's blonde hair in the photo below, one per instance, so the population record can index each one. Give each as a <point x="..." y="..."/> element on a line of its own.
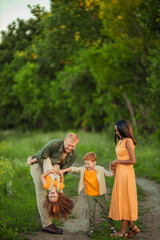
<point x="90" y="156"/>
<point x="72" y="136"/>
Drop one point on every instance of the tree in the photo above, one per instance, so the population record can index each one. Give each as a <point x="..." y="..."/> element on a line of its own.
<point x="121" y="63"/>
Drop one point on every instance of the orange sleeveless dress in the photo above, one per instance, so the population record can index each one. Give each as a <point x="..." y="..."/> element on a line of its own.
<point x="124" y="195"/>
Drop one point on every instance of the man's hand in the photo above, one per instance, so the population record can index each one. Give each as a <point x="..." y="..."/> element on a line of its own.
<point x="29" y="160"/>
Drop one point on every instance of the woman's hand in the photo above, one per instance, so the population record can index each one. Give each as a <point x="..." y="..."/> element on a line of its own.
<point x="114" y="163"/>
<point x="112" y="168"/>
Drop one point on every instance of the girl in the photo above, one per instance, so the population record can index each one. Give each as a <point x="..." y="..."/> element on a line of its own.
<point x="56" y="202"/>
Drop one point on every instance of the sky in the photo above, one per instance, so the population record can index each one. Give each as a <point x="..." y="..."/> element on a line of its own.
<point x="10" y="10"/>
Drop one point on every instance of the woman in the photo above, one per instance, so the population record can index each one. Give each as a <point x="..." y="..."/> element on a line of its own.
<point x="124" y="195"/>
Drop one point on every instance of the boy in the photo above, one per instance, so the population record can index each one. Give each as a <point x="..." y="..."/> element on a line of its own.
<point x="92" y="178"/>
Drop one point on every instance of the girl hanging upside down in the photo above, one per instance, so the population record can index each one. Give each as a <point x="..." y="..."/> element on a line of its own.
<point x="56" y="202"/>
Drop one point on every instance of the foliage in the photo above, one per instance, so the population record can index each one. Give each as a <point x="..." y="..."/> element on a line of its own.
<point x="7" y="234"/>
<point x="125" y="58"/>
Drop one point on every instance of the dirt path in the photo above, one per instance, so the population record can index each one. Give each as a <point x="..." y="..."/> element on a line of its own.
<point x="151" y="208"/>
<point x="77" y="227"/>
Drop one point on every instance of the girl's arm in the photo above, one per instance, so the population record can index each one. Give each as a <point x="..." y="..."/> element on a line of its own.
<point x="132" y="158"/>
<point x="44" y="175"/>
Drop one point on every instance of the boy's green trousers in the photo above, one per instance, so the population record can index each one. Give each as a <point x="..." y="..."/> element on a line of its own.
<point x="101" y="200"/>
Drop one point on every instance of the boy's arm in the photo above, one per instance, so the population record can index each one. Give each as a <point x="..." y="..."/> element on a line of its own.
<point x="75" y="169"/>
<point x="71" y="169"/>
<point x="65" y="170"/>
<point x="109" y="173"/>
<point x="44" y="175"/>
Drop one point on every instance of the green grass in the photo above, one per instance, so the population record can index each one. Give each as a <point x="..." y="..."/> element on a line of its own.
<point x="148" y="159"/>
<point x="18" y="146"/>
<point x="18" y="208"/>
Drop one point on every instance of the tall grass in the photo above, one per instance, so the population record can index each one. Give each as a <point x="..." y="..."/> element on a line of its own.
<point x="17" y="147"/>
<point x="18" y="208"/>
<point x="148" y="158"/>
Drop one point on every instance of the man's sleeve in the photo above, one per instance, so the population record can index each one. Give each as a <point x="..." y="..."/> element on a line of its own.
<point x="47" y="150"/>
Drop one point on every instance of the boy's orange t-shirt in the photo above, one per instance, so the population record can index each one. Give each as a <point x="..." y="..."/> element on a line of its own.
<point x="91" y="183"/>
<point x="48" y="183"/>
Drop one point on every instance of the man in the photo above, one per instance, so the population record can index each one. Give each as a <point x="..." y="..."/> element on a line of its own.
<point x="60" y="152"/>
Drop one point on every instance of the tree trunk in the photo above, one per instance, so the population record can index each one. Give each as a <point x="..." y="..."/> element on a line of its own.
<point x="129" y="105"/>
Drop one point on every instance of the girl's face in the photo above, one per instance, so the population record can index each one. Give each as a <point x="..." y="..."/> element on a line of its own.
<point x="117" y="132"/>
<point x="53" y="195"/>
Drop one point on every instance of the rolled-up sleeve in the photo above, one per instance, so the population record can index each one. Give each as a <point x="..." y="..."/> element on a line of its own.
<point x="108" y="173"/>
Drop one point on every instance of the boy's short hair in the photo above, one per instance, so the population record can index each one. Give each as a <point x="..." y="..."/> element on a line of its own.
<point x="90" y="156"/>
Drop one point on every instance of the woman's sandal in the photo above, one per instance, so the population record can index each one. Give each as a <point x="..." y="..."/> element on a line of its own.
<point x="133" y="231"/>
<point x="119" y="234"/>
<point x="113" y="230"/>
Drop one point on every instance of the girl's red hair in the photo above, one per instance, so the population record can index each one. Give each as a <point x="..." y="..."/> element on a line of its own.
<point x="62" y="207"/>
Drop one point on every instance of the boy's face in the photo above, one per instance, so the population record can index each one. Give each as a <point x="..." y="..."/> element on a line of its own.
<point x="89" y="164"/>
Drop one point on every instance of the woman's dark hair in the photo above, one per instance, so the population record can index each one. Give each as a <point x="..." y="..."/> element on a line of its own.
<point x="62" y="207"/>
<point x="125" y="129"/>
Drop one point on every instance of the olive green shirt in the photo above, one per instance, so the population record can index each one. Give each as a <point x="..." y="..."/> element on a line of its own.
<point x="54" y="150"/>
